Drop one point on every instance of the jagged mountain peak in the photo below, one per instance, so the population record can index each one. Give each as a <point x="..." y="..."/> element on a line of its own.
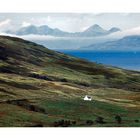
<point x="95" y="28"/>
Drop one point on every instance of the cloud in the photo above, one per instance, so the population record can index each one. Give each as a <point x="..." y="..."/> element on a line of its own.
<point x="25" y="24"/>
<point x="5" y="23"/>
<point x="49" y="19"/>
<point x="84" y="28"/>
<point x="49" y="37"/>
<point x="38" y="37"/>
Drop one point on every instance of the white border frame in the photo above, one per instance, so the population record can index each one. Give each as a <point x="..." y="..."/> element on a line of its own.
<point x="72" y="6"/>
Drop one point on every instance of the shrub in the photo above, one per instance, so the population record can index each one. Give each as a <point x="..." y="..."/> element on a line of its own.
<point x="56" y="124"/>
<point x="62" y="123"/>
<point x="66" y="123"/>
<point x="64" y="80"/>
<point x="73" y="122"/>
<point x="37" y="125"/>
<point x="100" y="120"/>
<point x="89" y="122"/>
<point x="118" y="119"/>
<point x="136" y="121"/>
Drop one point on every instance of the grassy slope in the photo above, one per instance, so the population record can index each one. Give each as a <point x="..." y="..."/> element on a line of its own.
<point x="114" y="90"/>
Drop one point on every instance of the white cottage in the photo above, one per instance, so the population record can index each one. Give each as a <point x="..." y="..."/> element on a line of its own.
<point x="87" y="98"/>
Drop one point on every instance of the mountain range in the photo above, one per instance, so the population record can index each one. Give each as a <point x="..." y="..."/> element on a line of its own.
<point x="127" y="43"/>
<point x="93" y="38"/>
<point x="94" y="30"/>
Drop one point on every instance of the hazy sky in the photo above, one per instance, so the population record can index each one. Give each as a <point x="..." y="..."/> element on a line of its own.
<point x="69" y="22"/>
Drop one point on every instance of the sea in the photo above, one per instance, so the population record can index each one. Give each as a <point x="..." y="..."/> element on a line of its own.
<point x="126" y="60"/>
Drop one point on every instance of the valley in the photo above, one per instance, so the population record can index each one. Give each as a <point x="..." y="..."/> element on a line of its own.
<point x="41" y="87"/>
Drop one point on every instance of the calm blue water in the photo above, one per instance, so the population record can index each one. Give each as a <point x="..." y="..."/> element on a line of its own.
<point x="127" y="60"/>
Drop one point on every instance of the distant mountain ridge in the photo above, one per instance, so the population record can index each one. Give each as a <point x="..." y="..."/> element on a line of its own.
<point x="94" y="30"/>
<point x="126" y="43"/>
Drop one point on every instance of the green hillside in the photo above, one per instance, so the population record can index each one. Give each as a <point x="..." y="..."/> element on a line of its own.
<point x="41" y="87"/>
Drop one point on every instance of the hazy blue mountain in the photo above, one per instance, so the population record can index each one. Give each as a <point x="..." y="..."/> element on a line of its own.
<point x="94" y="30"/>
<point x="114" y="29"/>
<point x="41" y="30"/>
<point x="26" y="30"/>
<point x="127" y="43"/>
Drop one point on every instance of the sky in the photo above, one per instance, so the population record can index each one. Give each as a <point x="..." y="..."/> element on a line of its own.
<point x="69" y="21"/>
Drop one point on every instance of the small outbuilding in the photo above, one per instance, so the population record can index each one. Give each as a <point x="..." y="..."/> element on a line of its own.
<point x="87" y="98"/>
